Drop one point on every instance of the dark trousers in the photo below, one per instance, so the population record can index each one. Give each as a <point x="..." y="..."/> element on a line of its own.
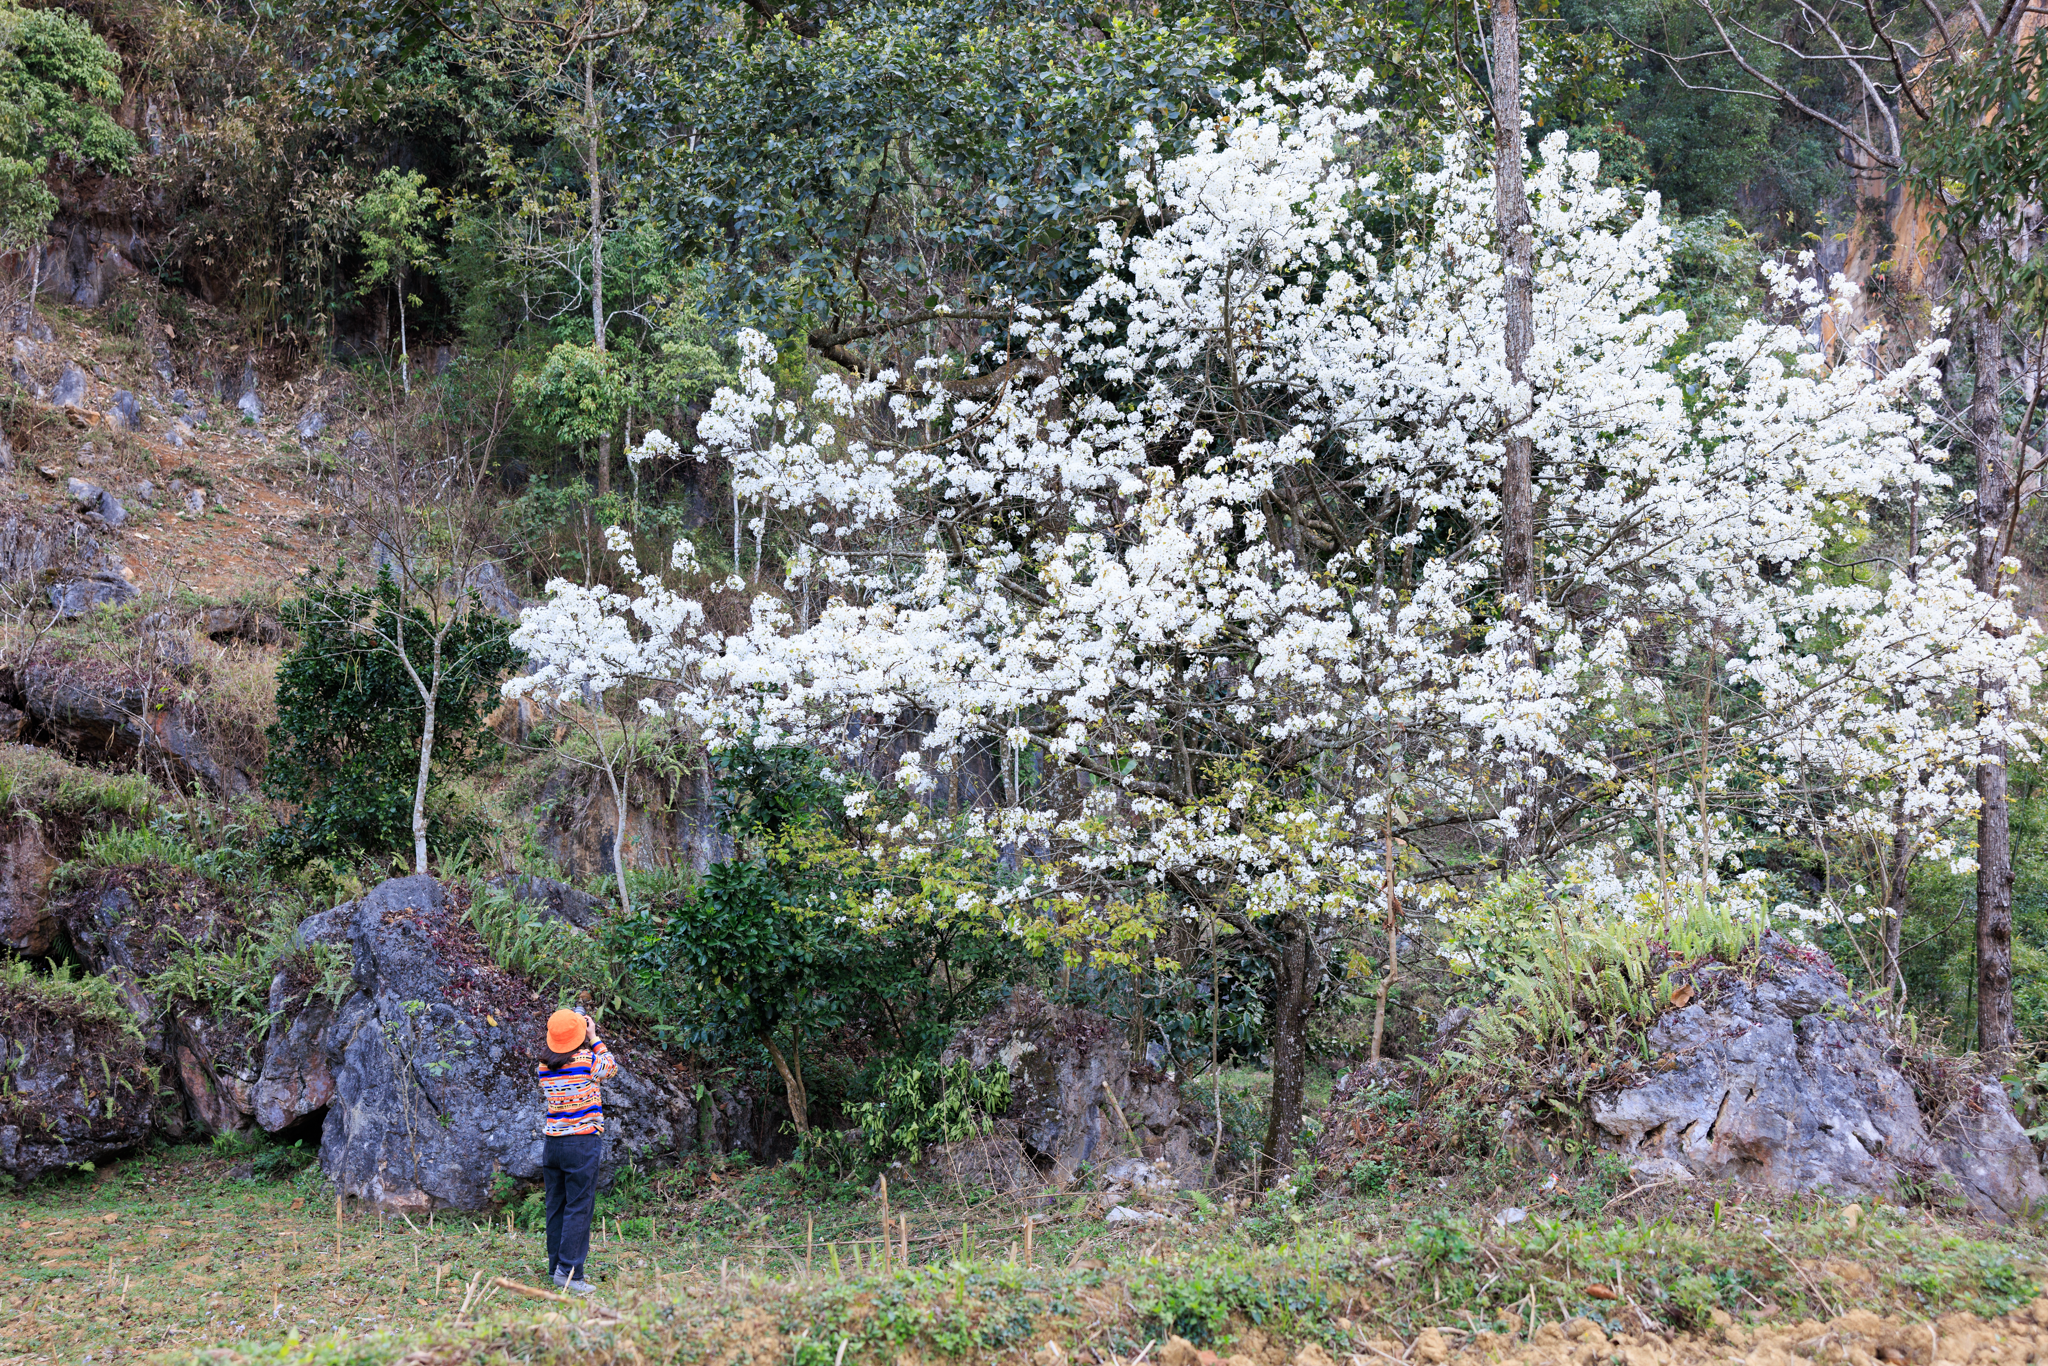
<point x="568" y="1168"/>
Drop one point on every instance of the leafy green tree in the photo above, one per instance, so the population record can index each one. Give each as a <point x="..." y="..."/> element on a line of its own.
<point x="358" y="738"/>
<point x="762" y="953"/>
<point x="395" y="213"/>
<point x="870" y="177"/>
<point x="576" y="394"/>
<point x="56" y="79"/>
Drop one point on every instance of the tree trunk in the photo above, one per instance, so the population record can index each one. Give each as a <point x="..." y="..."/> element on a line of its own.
<point x="1994" y="829"/>
<point x="619" y="786"/>
<point x="1895" y="916"/>
<point x="419" y="791"/>
<point x="792" y="1089"/>
<point x="592" y="171"/>
<point x="1517" y="480"/>
<point x="404" y="356"/>
<point x="1293" y="989"/>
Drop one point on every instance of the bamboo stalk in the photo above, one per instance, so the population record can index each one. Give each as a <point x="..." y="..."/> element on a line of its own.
<point x="530" y="1292"/>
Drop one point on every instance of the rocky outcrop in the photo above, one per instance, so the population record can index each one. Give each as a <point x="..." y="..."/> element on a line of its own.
<point x="109" y="715"/>
<point x="28" y="926"/>
<point x="33" y="545"/>
<point x="575" y="818"/>
<point x="80" y="1088"/>
<point x="1078" y="1097"/>
<point x="426" y="1070"/>
<point x="210" y="1058"/>
<point x="1776" y="1076"/>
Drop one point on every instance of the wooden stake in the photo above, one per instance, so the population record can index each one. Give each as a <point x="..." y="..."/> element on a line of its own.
<point x="963" y="1240"/>
<point x="808" y="1229"/>
<point x="904" y="1221"/>
<point x="885" y="1224"/>
<point x="508" y="1223"/>
<point x="1028" y="1221"/>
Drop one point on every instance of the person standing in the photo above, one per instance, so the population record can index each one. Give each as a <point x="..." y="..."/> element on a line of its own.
<point x="570" y="1070"/>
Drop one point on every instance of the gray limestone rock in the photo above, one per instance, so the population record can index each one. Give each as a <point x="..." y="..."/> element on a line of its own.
<point x="90" y="497"/>
<point x="428" y="1073"/>
<point x="1779" y="1078"/>
<point x="116" y="720"/>
<point x="76" y="597"/>
<point x="125" y="411"/>
<point x="179" y="434"/>
<point x="311" y="425"/>
<point x="70" y="390"/>
<point x="1074" y="1087"/>
<point x="79" y="1088"/>
<point x="246" y="397"/>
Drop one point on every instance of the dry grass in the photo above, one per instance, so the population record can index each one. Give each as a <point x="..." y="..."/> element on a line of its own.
<point x="169" y="1257"/>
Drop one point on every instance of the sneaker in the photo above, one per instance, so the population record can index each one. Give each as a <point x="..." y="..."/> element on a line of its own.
<point x="560" y="1278"/>
<point x="579" y="1286"/>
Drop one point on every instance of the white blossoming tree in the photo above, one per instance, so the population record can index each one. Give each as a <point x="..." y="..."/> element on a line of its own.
<point x="1212" y="559"/>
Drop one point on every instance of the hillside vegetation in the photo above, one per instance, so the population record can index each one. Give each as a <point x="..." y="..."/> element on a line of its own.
<point x="1198" y="684"/>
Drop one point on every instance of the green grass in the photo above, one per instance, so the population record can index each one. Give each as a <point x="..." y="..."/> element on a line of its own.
<point x="168" y="1257"/>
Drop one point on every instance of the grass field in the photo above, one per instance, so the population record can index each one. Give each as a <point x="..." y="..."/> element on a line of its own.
<point x="170" y="1257"/>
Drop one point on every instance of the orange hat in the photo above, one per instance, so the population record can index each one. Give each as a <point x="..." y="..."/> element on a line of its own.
<point x="565" y="1031"/>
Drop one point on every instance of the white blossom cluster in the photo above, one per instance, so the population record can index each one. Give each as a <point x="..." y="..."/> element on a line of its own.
<point x="1230" y="524"/>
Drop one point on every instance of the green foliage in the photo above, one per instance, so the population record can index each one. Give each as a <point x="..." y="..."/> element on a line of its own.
<point x="79" y="998"/>
<point x="763" y="951"/>
<point x="57" y="78"/>
<point x="231" y="974"/>
<point x="1980" y="161"/>
<point x="1200" y="1303"/>
<point x="46" y="785"/>
<point x="994" y="147"/>
<point x="920" y="1102"/>
<point x="394" y="213"/>
<point x="577" y="394"/>
<point x="557" y="958"/>
<point x="346" y="743"/>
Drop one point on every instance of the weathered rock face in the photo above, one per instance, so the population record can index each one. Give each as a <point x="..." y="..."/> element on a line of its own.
<point x="108" y="716"/>
<point x="1778" y="1078"/>
<point x="80" y="1087"/>
<point x="1074" y="1088"/>
<point x="211" y="1060"/>
<point x="32" y="545"/>
<point x="576" y="818"/>
<point x="27" y="923"/>
<point x="428" y="1067"/>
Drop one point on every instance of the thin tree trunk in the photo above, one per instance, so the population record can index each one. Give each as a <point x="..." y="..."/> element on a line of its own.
<point x="619" y="786"/>
<point x="404" y="357"/>
<point x="1517" y="483"/>
<point x="1994" y="817"/>
<point x="419" y="791"/>
<point x="1899" y="865"/>
<point x="1292" y="992"/>
<point x="792" y="1089"/>
<point x="592" y="170"/>
<point x="1379" y="1009"/>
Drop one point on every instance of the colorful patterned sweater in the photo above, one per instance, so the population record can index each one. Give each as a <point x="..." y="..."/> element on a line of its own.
<point x="570" y="1092"/>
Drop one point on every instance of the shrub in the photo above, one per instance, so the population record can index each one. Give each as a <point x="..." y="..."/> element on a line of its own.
<point x="915" y="1103"/>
